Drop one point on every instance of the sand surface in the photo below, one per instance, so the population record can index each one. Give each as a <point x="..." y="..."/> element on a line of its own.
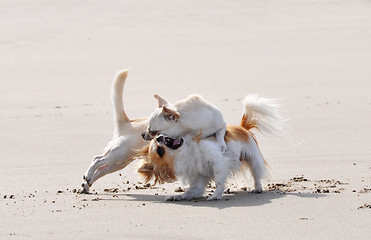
<point x="57" y="61"/>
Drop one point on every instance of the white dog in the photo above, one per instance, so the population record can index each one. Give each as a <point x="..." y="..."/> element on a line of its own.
<point x="198" y="160"/>
<point x="126" y="140"/>
<point x="189" y="116"/>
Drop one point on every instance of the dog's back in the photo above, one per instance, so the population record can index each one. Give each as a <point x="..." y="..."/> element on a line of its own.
<point x="199" y="114"/>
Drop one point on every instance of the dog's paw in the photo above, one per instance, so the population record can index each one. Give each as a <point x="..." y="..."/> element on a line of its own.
<point x="257" y="190"/>
<point x="179" y="197"/>
<point x="84" y="188"/>
<point x="87" y="180"/>
<point x="173" y="198"/>
<point x="214" y="197"/>
<point x="224" y="147"/>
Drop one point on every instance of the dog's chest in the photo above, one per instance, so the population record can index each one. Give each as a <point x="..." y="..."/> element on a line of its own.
<point x="190" y="163"/>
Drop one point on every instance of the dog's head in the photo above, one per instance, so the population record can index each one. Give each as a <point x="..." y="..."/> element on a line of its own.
<point x="164" y="120"/>
<point x="158" y="159"/>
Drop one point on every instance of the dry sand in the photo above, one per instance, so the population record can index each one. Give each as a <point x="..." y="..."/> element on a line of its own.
<point x="57" y="62"/>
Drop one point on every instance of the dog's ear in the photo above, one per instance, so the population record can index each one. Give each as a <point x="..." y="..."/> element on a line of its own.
<point x="161" y="101"/>
<point x="146" y="167"/>
<point x="170" y="113"/>
<point x="147" y="171"/>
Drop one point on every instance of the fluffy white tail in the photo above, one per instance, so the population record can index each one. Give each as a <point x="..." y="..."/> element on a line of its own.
<point x="263" y="114"/>
<point x="117" y="98"/>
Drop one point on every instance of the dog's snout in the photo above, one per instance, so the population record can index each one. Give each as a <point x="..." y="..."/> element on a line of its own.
<point x="153" y="133"/>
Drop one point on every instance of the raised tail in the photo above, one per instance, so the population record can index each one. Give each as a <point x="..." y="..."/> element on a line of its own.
<point x="262" y="114"/>
<point x="117" y="98"/>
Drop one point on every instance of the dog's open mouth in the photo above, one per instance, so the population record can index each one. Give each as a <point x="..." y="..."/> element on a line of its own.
<point x="173" y="143"/>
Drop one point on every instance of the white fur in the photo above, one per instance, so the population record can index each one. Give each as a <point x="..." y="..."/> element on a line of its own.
<point x="189" y="116"/>
<point x="265" y="112"/>
<point x="127" y="138"/>
<point x="196" y="163"/>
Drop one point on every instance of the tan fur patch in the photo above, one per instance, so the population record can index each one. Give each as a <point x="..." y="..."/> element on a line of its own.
<point x="248" y="123"/>
<point x="242" y="133"/>
<point x="153" y="166"/>
<point x="237" y="133"/>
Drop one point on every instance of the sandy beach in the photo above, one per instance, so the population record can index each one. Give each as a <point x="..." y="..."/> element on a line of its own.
<point x="57" y="62"/>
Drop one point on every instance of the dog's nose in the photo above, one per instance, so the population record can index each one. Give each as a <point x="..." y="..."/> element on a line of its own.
<point x="146" y="136"/>
<point x="143" y="135"/>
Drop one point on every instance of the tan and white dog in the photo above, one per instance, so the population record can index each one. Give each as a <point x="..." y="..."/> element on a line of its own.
<point x="126" y="140"/>
<point x="189" y="116"/>
<point x="197" y="160"/>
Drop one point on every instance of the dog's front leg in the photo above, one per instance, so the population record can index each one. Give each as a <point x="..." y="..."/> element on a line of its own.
<point x="90" y="173"/>
<point x="196" y="189"/>
<point x="97" y="162"/>
<point x="112" y="160"/>
<point x="104" y="170"/>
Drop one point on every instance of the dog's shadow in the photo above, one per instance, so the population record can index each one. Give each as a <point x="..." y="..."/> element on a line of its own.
<point x="237" y="199"/>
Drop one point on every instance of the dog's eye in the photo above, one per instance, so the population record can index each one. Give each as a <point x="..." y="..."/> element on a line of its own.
<point x="169" y="118"/>
<point x="161" y="151"/>
<point x="153" y="133"/>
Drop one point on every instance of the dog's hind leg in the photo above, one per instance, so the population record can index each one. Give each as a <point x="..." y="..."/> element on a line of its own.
<point x="253" y="158"/>
<point x="220" y="134"/>
<point x="256" y="164"/>
<point x="257" y="171"/>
